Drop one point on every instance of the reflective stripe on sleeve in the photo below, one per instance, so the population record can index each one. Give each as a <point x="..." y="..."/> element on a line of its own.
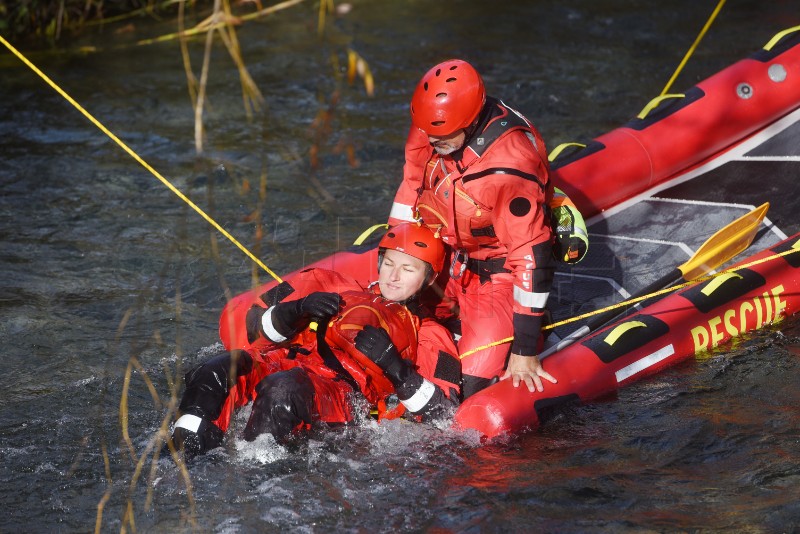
<point x="419" y="399"/>
<point x="530" y="299"/>
<point x="189" y="422"/>
<point x="266" y="325"/>
<point x="402" y="212"/>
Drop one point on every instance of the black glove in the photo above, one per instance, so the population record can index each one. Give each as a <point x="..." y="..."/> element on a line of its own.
<point x="376" y="345"/>
<point x="289" y="318"/>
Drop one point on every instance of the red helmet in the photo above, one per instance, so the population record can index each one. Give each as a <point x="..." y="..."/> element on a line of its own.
<point x="447" y="98"/>
<point x="415" y="240"/>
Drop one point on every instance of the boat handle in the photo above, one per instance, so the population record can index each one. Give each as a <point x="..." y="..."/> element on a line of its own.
<point x="368" y="232"/>
<point x="560" y="148"/>
<point x="655" y="102"/>
<point x="615" y="334"/>
<point x="778" y="36"/>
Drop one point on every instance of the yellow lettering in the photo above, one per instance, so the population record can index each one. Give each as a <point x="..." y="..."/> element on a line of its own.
<point x="768" y="303"/>
<point x="729" y="316"/>
<point x="767" y="307"/>
<point x="759" y="313"/>
<point x="700" y="337"/>
<point x="716" y="335"/>
<point x="744" y="309"/>
<point x="780" y="305"/>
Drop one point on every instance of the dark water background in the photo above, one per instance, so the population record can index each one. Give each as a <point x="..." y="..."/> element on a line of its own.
<point x="103" y="267"/>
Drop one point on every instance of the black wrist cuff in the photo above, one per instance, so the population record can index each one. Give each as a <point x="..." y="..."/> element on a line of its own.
<point x="399" y="371"/>
<point x="527" y="334"/>
<point x="288" y="319"/>
<point x="407" y="388"/>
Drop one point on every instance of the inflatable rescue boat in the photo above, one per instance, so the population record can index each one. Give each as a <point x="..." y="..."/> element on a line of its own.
<point x="655" y="192"/>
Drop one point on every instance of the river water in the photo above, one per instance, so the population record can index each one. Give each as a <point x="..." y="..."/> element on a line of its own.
<point x="111" y="285"/>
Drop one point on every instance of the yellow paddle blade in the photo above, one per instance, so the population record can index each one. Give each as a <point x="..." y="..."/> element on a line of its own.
<point x="725" y="244"/>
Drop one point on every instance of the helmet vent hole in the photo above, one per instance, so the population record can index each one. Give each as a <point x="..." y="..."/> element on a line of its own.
<point x="420" y="244"/>
<point x="392" y="234"/>
<point x="426" y="86"/>
<point x="453" y="67"/>
<point x="448" y="80"/>
<point x="438" y="72"/>
<point x="437" y="123"/>
<point x="441" y="95"/>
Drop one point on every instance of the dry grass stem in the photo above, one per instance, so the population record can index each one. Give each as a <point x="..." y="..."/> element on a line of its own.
<point x="357" y="65"/>
<point x="208" y="25"/>
<point x="107" y="494"/>
<point x="191" y="80"/>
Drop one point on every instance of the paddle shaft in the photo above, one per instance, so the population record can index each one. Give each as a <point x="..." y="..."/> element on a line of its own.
<point x="671" y="278"/>
<point x="726" y="243"/>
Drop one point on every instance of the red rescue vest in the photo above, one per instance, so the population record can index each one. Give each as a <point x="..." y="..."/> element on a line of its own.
<point x="364" y="309"/>
<point x="447" y="201"/>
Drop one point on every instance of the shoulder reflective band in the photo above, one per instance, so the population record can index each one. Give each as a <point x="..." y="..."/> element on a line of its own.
<point x="530" y="299"/>
<point x="402" y="212"/>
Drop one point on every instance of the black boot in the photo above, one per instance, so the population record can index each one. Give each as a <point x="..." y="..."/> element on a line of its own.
<point x="193" y="436"/>
<point x="284" y="402"/>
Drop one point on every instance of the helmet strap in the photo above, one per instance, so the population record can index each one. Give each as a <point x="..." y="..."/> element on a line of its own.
<point x="477" y="126"/>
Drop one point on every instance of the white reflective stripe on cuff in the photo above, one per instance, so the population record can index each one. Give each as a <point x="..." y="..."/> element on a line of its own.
<point x="189" y="422"/>
<point x="419" y="399"/>
<point x="530" y="299"/>
<point x="266" y="325"/>
<point x="402" y="212"/>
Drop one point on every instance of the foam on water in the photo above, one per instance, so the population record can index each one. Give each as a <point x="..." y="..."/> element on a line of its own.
<point x="264" y="449"/>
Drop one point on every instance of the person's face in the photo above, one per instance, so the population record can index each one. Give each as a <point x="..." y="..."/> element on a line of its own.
<point x="449" y="143"/>
<point x="400" y="275"/>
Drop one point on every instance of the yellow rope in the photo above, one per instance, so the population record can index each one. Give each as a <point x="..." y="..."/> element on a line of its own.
<point x="629" y="302"/>
<point x="135" y="156"/>
<point x="694" y="46"/>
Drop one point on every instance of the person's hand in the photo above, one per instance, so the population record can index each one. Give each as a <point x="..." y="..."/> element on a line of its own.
<point x="320" y="305"/>
<point x="376" y="345"/>
<point x="527" y="369"/>
<point x="288" y="318"/>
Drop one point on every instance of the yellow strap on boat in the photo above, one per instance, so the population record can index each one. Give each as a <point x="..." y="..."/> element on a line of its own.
<point x="138" y="158"/>
<point x="717" y="283"/>
<point x="368" y="232"/>
<point x="618" y="331"/>
<point x="560" y="148"/>
<point x="655" y="102"/>
<point x="778" y="36"/>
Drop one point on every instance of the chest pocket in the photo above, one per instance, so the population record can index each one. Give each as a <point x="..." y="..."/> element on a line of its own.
<point x="443" y="203"/>
<point x="473" y="219"/>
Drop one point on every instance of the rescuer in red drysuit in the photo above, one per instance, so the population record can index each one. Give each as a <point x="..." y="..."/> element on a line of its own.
<point x="379" y="344"/>
<point x="478" y="170"/>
